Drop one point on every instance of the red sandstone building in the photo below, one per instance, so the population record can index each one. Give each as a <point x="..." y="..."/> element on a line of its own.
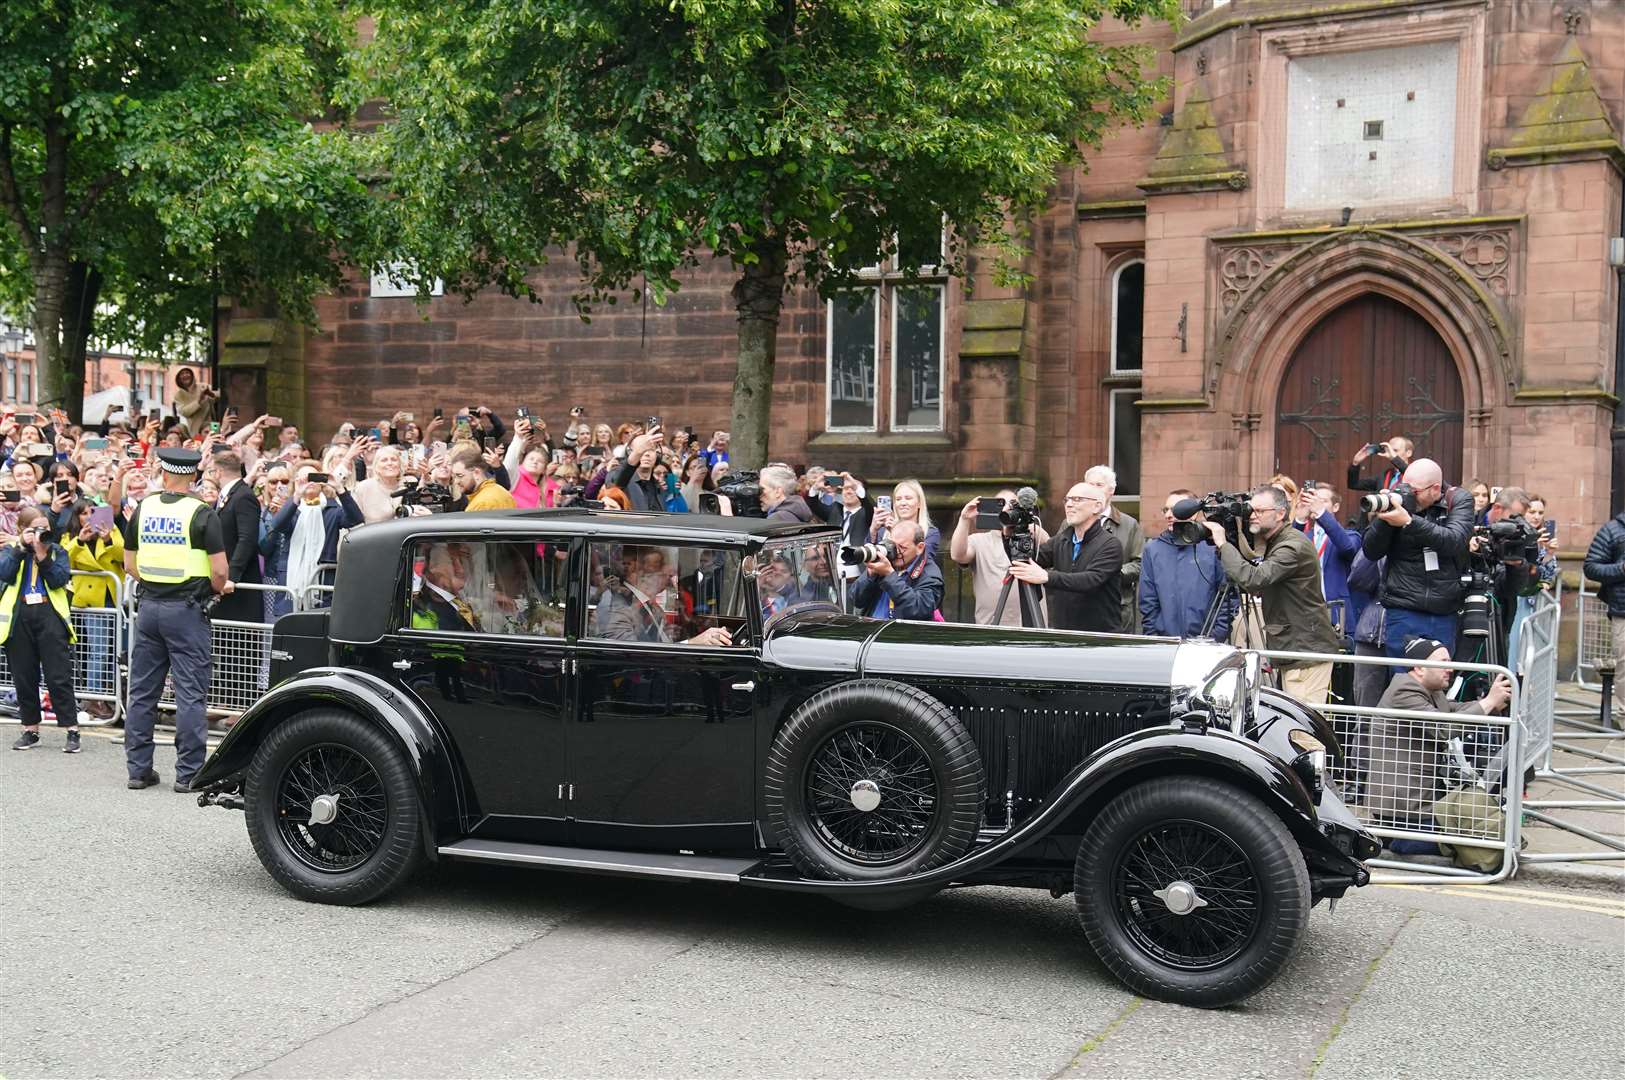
<point x="1355" y="219"/>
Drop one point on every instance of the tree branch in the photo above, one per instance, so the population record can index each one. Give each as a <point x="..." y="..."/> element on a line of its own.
<point x="11" y="197"/>
<point x="97" y="188"/>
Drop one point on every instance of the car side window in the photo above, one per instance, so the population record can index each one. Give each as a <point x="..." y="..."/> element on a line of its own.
<point x="663" y="594"/>
<point x="488" y="587"/>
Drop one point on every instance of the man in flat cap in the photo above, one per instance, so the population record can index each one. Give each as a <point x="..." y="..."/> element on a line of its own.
<point x="174" y="546"/>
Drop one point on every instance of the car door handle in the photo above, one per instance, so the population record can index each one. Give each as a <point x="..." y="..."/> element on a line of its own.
<point x="402" y="665"/>
<point x="747" y="687"/>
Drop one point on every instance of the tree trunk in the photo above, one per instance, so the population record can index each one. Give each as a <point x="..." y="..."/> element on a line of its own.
<point x="84" y="288"/>
<point x="758" y="298"/>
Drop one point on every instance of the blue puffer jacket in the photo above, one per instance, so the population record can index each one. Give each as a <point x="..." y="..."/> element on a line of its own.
<point x="1177" y="583"/>
<point x="1605" y="564"/>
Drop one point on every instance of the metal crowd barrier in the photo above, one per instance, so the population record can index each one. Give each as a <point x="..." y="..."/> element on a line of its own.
<point x="97" y="674"/>
<point x="242" y="660"/>
<point x="1452" y="779"/>
<point x="1595" y="641"/>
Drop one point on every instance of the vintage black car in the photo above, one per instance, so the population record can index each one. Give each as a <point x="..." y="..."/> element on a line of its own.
<point x="682" y="696"/>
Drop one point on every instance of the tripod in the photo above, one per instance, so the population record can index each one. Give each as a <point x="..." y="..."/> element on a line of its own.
<point x="1032" y="609"/>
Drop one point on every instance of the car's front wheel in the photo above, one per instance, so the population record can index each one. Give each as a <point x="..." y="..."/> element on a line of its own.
<point x="1191" y="890"/>
<point x="332" y="810"/>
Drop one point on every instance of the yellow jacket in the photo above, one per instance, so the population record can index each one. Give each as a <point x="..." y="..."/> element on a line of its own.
<point x="98" y="556"/>
<point x="491" y="496"/>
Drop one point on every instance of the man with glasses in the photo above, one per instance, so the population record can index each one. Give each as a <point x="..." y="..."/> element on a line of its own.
<point x="1082" y="567"/>
<point x="1426" y="551"/>
<point x="1287" y="580"/>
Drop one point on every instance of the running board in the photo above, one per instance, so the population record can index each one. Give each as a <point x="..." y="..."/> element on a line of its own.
<point x="590" y="861"/>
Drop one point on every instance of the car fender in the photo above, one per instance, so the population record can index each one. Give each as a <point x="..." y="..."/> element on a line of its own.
<point x="374" y="700"/>
<point x="1141" y="755"/>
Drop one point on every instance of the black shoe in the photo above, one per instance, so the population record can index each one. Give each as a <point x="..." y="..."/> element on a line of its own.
<point x="72" y="746"/>
<point x="145" y="781"/>
<point x="183" y="786"/>
<point x="26" y="740"/>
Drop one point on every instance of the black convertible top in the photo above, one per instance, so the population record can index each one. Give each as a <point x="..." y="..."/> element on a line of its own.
<point x="370" y="558"/>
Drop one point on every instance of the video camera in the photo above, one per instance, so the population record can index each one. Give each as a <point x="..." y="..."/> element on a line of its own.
<point x="1020" y="519"/>
<point x="437" y="498"/>
<point x="744" y="491"/>
<point x="868" y="553"/>
<point x="1228" y="508"/>
<point x="1397" y="497"/>
<point x="1510" y="540"/>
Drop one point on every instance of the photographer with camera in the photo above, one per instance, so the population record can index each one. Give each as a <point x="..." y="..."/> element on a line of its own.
<point x="1316" y="517"/>
<point x="779" y="495"/>
<point x="989" y="534"/>
<point x="1505" y="559"/>
<point x="36" y="628"/>
<point x="1287" y="580"/>
<point x="1082" y="565"/>
<point x="1181" y="577"/>
<point x="1422" y="530"/>
<point x="900" y="579"/>
<point x="852" y="510"/>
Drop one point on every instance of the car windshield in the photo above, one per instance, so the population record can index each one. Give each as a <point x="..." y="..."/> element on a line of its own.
<point x="796" y="574"/>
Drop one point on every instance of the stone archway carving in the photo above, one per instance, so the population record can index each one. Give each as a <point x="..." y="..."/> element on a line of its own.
<point x="1275" y="296"/>
<point x="1265" y="288"/>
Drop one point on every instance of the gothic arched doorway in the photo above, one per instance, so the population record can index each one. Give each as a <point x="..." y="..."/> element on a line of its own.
<point x="1370" y="369"/>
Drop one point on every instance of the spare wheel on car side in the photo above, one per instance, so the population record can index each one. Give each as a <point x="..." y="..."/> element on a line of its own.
<point x="873" y="779"/>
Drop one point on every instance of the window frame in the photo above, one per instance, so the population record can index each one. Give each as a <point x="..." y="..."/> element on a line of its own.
<point x="829" y="361"/>
<point x="941" y="289"/>
<point x="1111" y="324"/>
<point x="886" y="277"/>
<point x="1111" y="436"/>
<point x="401" y="619"/>
<point x="752" y="617"/>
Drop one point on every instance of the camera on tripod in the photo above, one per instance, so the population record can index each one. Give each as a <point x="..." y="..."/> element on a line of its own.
<point x="1020" y="519"/>
<point x="868" y="553"/>
<point x="1227" y="508"/>
<point x="1400" y="496"/>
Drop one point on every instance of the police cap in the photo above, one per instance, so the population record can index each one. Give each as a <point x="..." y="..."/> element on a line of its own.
<point x="178" y="461"/>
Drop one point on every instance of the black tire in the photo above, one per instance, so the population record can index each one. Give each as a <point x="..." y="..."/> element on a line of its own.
<point x="373" y="841"/>
<point x="910" y="746"/>
<point x="1214" y="837"/>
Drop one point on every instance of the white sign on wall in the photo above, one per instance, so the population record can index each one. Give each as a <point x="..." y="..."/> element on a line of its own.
<point x="1369" y="127"/>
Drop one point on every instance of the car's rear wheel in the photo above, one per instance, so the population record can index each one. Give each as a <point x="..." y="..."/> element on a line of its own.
<point x="873" y="779"/>
<point x="1191" y="890"/>
<point x="332" y="810"/>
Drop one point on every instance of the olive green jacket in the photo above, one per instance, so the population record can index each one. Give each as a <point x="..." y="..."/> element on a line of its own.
<point x="1288" y="582"/>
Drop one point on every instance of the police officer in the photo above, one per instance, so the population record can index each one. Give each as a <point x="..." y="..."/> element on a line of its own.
<point x="175" y="547"/>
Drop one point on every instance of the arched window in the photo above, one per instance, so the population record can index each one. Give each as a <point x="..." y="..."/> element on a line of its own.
<point x="1128" y="316"/>
<point x="1127" y="334"/>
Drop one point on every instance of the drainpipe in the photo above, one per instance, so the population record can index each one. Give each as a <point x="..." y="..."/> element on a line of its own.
<point x="1616" y="494"/>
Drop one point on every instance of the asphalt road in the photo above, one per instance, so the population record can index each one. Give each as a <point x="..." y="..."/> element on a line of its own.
<point x="142" y="938"/>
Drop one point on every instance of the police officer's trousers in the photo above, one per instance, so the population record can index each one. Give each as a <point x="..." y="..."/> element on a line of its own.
<point x="171" y="639"/>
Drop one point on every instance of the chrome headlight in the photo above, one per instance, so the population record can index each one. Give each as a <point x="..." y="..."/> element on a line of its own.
<point x="1224" y="692"/>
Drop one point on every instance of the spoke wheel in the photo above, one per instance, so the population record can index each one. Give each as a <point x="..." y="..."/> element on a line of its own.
<point x="331" y="808"/>
<point x="873" y="780"/>
<point x="1187" y="895"/>
<point x="1191" y="889"/>
<point x="872" y="793"/>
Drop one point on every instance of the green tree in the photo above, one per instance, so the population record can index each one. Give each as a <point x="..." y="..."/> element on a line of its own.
<point x="798" y="139"/>
<point x="153" y="154"/>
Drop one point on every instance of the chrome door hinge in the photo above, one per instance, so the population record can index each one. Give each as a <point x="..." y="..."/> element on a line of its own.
<point x="567" y="792"/>
<point x="569" y="665"/>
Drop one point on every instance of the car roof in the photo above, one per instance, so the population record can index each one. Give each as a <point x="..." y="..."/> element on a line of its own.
<point x="617" y="524"/>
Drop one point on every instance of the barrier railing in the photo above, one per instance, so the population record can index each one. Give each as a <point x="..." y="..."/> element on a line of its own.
<point x="242" y="660"/>
<point x="1595" y="638"/>
<point x="1450" y="779"/>
<point x="96" y="670"/>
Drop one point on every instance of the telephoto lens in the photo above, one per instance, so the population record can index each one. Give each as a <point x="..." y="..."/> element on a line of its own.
<point x="868" y="553"/>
